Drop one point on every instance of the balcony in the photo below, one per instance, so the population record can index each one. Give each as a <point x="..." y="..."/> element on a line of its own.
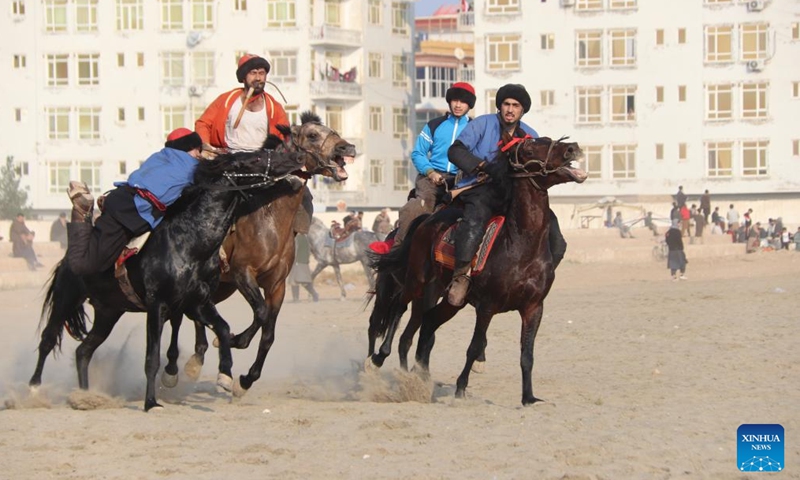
<point x="330" y="90"/>
<point x="335" y="37"/>
<point x="466" y="21"/>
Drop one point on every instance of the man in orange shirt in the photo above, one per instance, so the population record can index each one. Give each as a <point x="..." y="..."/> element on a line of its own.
<point x="222" y="126"/>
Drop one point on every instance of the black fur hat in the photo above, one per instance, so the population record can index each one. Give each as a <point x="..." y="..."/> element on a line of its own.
<point x="515" y="91"/>
<point x="249" y="62"/>
<point x="183" y="139"/>
<point x="461" y="91"/>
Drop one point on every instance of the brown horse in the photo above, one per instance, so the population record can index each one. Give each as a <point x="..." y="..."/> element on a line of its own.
<point x="260" y="250"/>
<point x="518" y="274"/>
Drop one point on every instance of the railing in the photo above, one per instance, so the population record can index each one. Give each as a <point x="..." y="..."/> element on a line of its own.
<point x="466" y="21"/>
<point x="466" y="75"/>
<point x="335" y="89"/>
<point x="331" y="34"/>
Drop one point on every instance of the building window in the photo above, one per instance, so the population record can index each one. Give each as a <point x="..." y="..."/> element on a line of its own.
<point x="623" y="104"/>
<point x="172" y="69"/>
<point x="375" y="172"/>
<point x="86" y="15"/>
<point x="17" y="115"/>
<point x="503" y="52"/>
<point x="682" y="93"/>
<point x="18" y="8"/>
<point x="171" y="14"/>
<point x="660" y="36"/>
<point x="333" y="13"/>
<point x="88" y="68"/>
<point x="400" y="71"/>
<point x="548" y="41"/>
<point x="720" y="159"/>
<point x="374" y="12"/>
<point x="130" y="15"/>
<point x="754" y="158"/>
<point x="240" y="5"/>
<point x="59" y="174"/>
<point x="719" y="102"/>
<point x="121" y="115"/>
<point x="795" y="89"/>
<point x="399" y="122"/>
<point x="590" y="50"/>
<point x="400" y="12"/>
<point x="623" y="161"/>
<point x="621" y="4"/>
<point x="55" y="16"/>
<point x="120" y="59"/>
<point x="140" y="59"/>
<point x="202" y="14"/>
<point x="682" y="152"/>
<point x="281" y="13"/>
<point x="334" y="117"/>
<point x="376" y="118"/>
<point x="719" y="43"/>
<point x="284" y="65"/>
<point x="587" y="5"/>
<point x="795" y="147"/>
<point x="20" y="61"/>
<point x="681" y="36"/>
<point x="57" y="70"/>
<point x="437" y="80"/>
<point x="502" y="6"/>
<point x="122" y="168"/>
<point x="659" y="151"/>
<point x="754" y="100"/>
<point x="401" y="175"/>
<point x="592" y="161"/>
<point x="588" y="105"/>
<point x="203" y="68"/>
<point x="173" y="116"/>
<point x="623" y="47"/>
<point x="375" y="67"/>
<point x="89" y="172"/>
<point x="140" y="114"/>
<point x="796" y="31"/>
<point x="754" y="41"/>
<point x="547" y="98"/>
<point x="659" y="94"/>
<point x="89" y="123"/>
<point x="491" y="96"/>
<point x="292" y="113"/>
<point x="57" y="123"/>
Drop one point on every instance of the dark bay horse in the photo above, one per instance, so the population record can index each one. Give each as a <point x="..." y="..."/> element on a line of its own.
<point x="261" y="248"/>
<point x="176" y="271"/>
<point x="330" y="253"/>
<point x="518" y="274"/>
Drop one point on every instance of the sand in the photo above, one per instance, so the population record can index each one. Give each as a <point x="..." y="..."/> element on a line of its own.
<point x="643" y="378"/>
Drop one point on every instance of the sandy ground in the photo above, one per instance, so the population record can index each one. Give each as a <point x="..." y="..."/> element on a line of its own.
<point x="643" y="378"/>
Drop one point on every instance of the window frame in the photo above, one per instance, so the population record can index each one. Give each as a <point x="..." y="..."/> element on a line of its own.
<point x="715" y="95"/>
<point x="714" y="34"/>
<point x="627" y="154"/>
<point x="757" y="92"/>
<point x="284" y="65"/>
<point x="624" y="39"/>
<point x="503" y="52"/>
<point x="281" y="13"/>
<point x="586" y="98"/>
<point x="761" y="150"/>
<point x="585" y="55"/>
<point x="713" y="168"/>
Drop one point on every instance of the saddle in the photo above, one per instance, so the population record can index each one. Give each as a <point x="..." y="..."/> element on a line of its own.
<point x="445" y="250"/>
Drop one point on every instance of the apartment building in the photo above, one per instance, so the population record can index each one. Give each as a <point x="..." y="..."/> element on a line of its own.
<point x="92" y="88"/>
<point x="699" y="93"/>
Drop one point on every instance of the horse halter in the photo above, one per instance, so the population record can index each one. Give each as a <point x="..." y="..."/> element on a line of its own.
<point x="320" y="162"/>
<point x="521" y="170"/>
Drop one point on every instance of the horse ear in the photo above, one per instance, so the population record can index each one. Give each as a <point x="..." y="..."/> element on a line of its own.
<point x="284" y="129"/>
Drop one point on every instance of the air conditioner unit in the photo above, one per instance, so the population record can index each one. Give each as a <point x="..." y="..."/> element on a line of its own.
<point x="195" y="91"/>
<point x="193" y="38"/>
<point x="755" y="5"/>
<point x="755" y="65"/>
<point x="567" y="3"/>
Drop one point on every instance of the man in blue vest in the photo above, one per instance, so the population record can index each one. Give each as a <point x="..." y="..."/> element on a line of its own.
<point x="475" y="152"/>
<point x="436" y="173"/>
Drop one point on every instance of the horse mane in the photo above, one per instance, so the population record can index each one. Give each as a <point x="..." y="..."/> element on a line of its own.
<point x="309" y="116"/>
<point x="273" y="141"/>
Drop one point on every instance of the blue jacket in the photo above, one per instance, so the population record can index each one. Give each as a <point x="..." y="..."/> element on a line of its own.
<point x="443" y="136"/>
<point x="481" y="137"/>
<point x="164" y="174"/>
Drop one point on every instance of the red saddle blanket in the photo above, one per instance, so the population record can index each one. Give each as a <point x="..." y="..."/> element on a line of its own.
<point x="445" y="250"/>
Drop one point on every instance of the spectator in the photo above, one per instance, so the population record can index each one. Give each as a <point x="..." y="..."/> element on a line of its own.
<point x="58" y="230"/>
<point x="748" y="222"/>
<point x="733" y="222"/>
<point x="675" y="213"/>
<point x="22" y="242"/>
<point x="705" y="206"/>
<point x="680" y="197"/>
<point x="686" y="215"/>
<point x="699" y="223"/>
<point x="382" y="224"/>
<point x="797" y="240"/>
<point x="648" y="222"/>
<point x="624" y="230"/>
<point x="716" y="220"/>
<point x="785" y="238"/>
<point x="676" y="258"/>
<point x="754" y="239"/>
<point x="300" y="275"/>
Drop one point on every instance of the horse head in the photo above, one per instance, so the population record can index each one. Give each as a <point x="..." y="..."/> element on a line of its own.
<point x="549" y="159"/>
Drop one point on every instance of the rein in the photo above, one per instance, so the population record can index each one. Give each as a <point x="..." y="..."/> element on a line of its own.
<point x="317" y="158"/>
<point x="522" y="169"/>
<point x="234" y="187"/>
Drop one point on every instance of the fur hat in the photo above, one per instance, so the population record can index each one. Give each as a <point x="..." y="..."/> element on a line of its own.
<point x="183" y="139"/>
<point x="250" y="62"/>
<point x="515" y="91"/>
<point x="461" y="91"/>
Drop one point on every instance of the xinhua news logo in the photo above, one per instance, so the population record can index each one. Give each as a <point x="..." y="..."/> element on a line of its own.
<point x="760" y="448"/>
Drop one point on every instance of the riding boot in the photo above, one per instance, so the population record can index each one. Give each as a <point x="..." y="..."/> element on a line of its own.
<point x="459" y="286"/>
<point x="468" y="237"/>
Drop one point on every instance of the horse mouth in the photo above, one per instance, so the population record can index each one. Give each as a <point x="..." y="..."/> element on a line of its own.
<point x="339" y="173"/>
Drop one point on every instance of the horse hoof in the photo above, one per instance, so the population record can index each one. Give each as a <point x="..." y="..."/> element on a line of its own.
<point x="421" y="371"/>
<point x="33" y="389"/>
<point x="193" y="367"/>
<point x="238" y="390"/>
<point x="168" y="380"/>
<point x="225" y="382"/>
<point x="155" y="407"/>
<point x="369" y="365"/>
<point x="215" y="343"/>
<point x="479" y="367"/>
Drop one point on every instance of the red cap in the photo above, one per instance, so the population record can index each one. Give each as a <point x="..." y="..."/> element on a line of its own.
<point x="178" y="133"/>
<point x="464" y="86"/>
<point x="245" y="58"/>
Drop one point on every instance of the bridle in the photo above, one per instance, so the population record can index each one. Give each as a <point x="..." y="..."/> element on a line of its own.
<point x="521" y="169"/>
<point x="267" y="180"/>
<point x="321" y="164"/>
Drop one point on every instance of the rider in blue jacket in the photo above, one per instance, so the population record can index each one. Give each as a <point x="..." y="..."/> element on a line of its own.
<point x="436" y="173"/>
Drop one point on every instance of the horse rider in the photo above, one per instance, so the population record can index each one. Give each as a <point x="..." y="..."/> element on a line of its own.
<point x="135" y="207"/>
<point x="436" y="173"/>
<point x="224" y="125"/>
<point x="473" y="152"/>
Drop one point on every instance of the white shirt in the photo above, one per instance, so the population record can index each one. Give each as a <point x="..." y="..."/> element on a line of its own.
<point x="252" y="129"/>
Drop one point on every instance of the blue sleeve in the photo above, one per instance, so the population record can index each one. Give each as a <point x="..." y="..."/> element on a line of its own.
<point x="472" y="133"/>
<point x="419" y="156"/>
<point x="529" y="130"/>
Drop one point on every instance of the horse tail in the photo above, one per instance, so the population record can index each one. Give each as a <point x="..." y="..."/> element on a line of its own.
<point x="63" y="307"/>
<point x="395" y="259"/>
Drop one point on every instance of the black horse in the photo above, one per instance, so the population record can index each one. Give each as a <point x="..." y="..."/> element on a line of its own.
<point x="518" y="273"/>
<point x="177" y="270"/>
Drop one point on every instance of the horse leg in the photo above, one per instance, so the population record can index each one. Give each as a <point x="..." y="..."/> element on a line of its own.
<point x="431" y="321"/>
<point x="430" y="295"/>
<point x="338" y="273"/>
<point x="369" y="272"/>
<point x="476" y="348"/>
<point x="170" y="376"/>
<point x="396" y="312"/>
<point x="531" y="319"/>
<point x="104" y="321"/>
<point x="271" y="308"/>
<point x="195" y="363"/>
<point x="208" y="316"/>
<point x="156" y="316"/>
